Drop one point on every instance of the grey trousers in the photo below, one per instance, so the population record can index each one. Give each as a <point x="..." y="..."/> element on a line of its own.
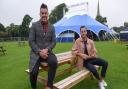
<point x="52" y="63"/>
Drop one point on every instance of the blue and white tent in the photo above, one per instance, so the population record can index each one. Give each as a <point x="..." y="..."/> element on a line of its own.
<point x="75" y="22"/>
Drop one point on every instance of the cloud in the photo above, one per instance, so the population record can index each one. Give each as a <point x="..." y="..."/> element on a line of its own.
<point x="13" y="11"/>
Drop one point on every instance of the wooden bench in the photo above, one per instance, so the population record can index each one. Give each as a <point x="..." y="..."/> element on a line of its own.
<point x="65" y="58"/>
<point x="2" y="50"/>
<point x="74" y="79"/>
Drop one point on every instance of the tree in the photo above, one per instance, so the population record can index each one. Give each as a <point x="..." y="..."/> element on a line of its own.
<point x="101" y="19"/>
<point x="125" y="24"/>
<point x="13" y="30"/>
<point x="2" y="28"/>
<point x="57" y="13"/>
<point x="118" y="29"/>
<point x="24" y="27"/>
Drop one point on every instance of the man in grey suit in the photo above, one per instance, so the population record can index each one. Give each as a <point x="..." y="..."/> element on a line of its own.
<point x="42" y="40"/>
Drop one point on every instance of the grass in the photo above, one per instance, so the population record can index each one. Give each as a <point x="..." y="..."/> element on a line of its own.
<point x="15" y="62"/>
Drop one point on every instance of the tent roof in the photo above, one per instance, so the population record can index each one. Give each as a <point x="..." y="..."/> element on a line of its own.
<point x="75" y="22"/>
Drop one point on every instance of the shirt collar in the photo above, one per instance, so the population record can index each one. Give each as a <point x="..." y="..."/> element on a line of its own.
<point x="43" y="23"/>
<point x="83" y="40"/>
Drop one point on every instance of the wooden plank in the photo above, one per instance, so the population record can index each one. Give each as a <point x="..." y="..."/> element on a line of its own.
<point x="64" y="53"/>
<point x="64" y="61"/>
<point x="42" y="80"/>
<point x="74" y="80"/>
<point x="69" y="78"/>
<point x="44" y="64"/>
<point x="61" y="60"/>
<point x="64" y="58"/>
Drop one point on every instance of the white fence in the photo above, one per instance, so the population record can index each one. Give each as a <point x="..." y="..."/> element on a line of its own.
<point x="14" y="39"/>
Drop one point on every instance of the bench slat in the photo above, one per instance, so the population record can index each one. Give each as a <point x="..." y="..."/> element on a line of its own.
<point x="75" y="81"/>
<point x="72" y="80"/>
<point x="62" y="58"/>
<point x="67" y="79"/>
<point x="44" y="64"/>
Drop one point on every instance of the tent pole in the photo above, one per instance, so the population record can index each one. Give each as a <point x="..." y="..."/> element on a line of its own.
<point x="98" y="37"/>
<point x="60" y="38"/>
<point x="92" y="35"/>
<point x="68" y="34"/>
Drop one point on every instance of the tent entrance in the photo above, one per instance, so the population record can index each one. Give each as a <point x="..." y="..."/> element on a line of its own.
<point x="67" y="36"/>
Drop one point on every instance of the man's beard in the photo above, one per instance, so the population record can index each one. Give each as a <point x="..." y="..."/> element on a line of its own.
<point x="44" y="19"/>
<point x="84" y="37"/>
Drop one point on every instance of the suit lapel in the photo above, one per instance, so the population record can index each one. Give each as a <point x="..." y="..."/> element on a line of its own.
<point x="42" y="33"/>
<point x="41" y="29"/>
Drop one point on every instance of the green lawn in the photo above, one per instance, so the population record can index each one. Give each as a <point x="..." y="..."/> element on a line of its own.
<point x="14" y="63"/>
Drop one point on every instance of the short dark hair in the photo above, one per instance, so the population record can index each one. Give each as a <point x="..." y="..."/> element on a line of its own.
<point x="83" y="27"/>
<point x="43" y="6"/>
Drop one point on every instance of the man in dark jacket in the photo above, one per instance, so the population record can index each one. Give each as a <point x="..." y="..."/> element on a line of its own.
<point x="42" y="40"/>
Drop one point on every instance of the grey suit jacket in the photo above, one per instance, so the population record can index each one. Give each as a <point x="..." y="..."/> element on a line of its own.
<point x="38" y="39"/>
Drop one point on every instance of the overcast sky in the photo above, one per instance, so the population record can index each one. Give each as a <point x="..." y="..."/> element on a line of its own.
<point x="13" y="11"/>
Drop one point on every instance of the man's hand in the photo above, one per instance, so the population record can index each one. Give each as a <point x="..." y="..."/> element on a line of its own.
<point x="84" y="56"/>
<point x="43" y="53"/>
<point x="75" y="52"/>
<point x="81" y="55"/>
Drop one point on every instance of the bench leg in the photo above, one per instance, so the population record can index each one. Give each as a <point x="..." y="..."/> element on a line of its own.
<point x="42" y="80"/>
<point x="92" y="77"/>
<point x="62" y="72"/>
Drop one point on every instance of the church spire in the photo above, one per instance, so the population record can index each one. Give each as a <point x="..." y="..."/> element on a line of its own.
<point x="98" y="9"/>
